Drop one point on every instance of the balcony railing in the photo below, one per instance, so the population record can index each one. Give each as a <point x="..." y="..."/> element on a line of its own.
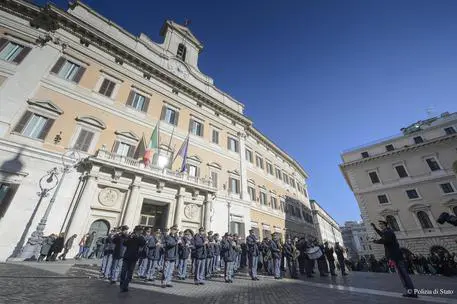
<point x="156" y="171"/>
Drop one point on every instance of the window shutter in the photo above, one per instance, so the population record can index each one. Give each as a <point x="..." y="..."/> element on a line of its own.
<point x="46" y="128"/>
<point x="131" y="152"/>
<point x="80" y="140"/>
<point x="87" y="141"/>
<point x="190" y="125"/>
<point x="104" y="86"/>
<point x="197" y="171"/>
<point x="22" y="122"/>
<point x="176" y="118"/>
<point x="115" y="146"/>
<point x="111" y="86"/>
<point x="202" y="132"/>
<point x="146" y="104"/>
<point x="79" y="74"/>
<point x="228" y="143"/>
<point x="3" y="42"/>
<point x="58" y="65"/>
<point x="130" y="98"/>
<point x="22" y="55"/>
<point x="162" y="114"/>
<point x="230" y="185"/>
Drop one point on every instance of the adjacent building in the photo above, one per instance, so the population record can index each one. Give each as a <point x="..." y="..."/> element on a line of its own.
<point x="408" y="181"/>
<point x="75" y="81"/>
<point x="356" y="240"/>
<point x="327" y="228"/>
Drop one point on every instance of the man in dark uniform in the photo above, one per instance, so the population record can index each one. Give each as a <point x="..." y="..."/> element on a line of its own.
<point x="392" y="252"/>
<point x="132" y="245"/>
<point x="217" y="254"/>
<point x="199" y="243"/>
<point x="253" y="254"/>
<point x="228" y="252"/>
<point x="209" y="256"/>
<point x="183" y="254"/>
<point x="143" y="254"/>
<point x="328" y="251"/>
<point x="275" y="248"/>
<point x="153" y="254"/>
<point x="322" y="261"/>
<point x="118" y="253"/>
<point x="289" y="254"/>
<point x="170" y="247"/>
<point x="340" y="256"/>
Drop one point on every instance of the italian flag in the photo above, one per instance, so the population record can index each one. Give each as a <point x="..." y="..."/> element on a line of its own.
<point x="153" y="145"/>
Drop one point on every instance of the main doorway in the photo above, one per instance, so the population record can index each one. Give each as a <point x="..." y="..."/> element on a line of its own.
<point x="154" y="215"/>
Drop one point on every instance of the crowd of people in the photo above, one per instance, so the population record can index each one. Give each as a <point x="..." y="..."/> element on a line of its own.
<point x="437" y="263"/>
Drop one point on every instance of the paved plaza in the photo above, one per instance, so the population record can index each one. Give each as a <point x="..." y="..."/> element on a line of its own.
<point x="61" y="283"/>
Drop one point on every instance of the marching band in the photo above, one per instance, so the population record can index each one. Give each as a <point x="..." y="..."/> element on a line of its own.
<point x="164" y="254"/>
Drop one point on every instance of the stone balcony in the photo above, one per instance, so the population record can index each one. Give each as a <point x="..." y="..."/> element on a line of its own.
<point x="123" y="163"/>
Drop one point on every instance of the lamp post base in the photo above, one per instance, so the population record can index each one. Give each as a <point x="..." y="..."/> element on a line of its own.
<point x="31" y="250"/>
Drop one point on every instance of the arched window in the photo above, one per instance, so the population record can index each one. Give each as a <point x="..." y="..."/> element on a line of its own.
<point x="181" y="54"/>
<point x="454" y="209"/>
<point x="424" y="220"/>
<point x="392" y="222"/>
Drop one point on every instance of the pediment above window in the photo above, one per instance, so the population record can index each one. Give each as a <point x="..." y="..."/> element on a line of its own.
<point x="46" y="105"/>
<point x="215" y="165"/>
<point x="388" y="211"/>
<point x="195" y="159"/>
<point x="263" y="187"/>
<point x="419" y="207"/>
<point x="251" y="181"/>
<point x="91" y="120"/>
<point x="127" y="134"/>
<point x="234" y="172"/>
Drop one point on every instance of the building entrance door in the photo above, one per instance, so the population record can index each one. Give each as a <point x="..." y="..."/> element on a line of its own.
<point x="153" y="215"/>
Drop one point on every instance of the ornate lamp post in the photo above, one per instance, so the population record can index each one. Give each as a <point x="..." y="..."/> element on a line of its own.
<point x="31" y="249"/>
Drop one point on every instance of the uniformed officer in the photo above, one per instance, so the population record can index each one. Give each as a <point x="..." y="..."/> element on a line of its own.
<point x="340" y="256"/>
<point x="184" y="247"/>
<point x="132" y="246"/>
<point x="153" y="254"/>
<point x="108" y="249"/>
<point x="321" y="261"/>
<point x="209" y="255"/>
<point x="170" y="247"/>
<point x="217" y="253"/>
<point x="199" y="243"/>
<point x="228" y="252"/>
<point x="330" y="258"/>
<point x="289" y="254"/>
<point x="118" y="253"/>
<point x="143" y="254"/>
<point x="253" y="254"/>
<point x="276" y="254"/>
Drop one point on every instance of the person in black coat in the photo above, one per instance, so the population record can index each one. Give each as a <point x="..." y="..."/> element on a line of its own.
<point x="199" y="243"/>
<point x="253" y="254"/>
<point x="184" y="247"/>
<point x="170" y="252"/>
<point x="340" y="256"/>
<point x="118" y="253"/>
<point x="328" y="251"/>
<point x="275" y="248"/>
<point x="154" y="246"/>
<point x="56" y="247"/>
<point x="228" y="252"/>
<point x="132" y="246"/>
<point x="67" y="247"/>
<point x="393" y="252"/>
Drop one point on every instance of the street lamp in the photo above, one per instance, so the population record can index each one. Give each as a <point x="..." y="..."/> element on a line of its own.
<point x="31" y="249"/>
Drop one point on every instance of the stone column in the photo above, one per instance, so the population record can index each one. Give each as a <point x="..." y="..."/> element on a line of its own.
<point x="78" y="221"/>
<point x="243" y="170"/>
<point x="207" y="208"/>
<point x="134" y="204"/>
<point x="179" y="211"/>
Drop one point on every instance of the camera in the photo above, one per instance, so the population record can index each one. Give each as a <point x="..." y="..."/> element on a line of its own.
<point x="447" y="218"/>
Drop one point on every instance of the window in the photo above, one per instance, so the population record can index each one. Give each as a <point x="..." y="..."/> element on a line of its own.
<point x="7" y="192"/>
<point x="383" y="199"/>
<point x="237" y="227"/>
<point x="412" y="194"/>
<point x="449" y="130"/>
<point x="274" y="202"/>
<point x="285" y="178"/>
<point x="196" y="128"/>
<point x="123" y="149"/>
<point x="234" y="185"/>
<point x="107" y="87"/>
<point x="282" y="206"/>
<point x="192" y="170"/>
<point x="390" y="148"/>
<point x="214" y="178"/>
<point x="249" y="157"/>
<point x="232" y="144"/>
<point x="259" y="161"/>
<point x="263" y="198"/>
<point x="169" y="115"/>
<point x="269" y="168"/>
<point x="447" y="188"/>
<point x="12" y="52"/>
<point x="138" y="101"/>
<point x="278" y="173"/>
<point x="181" y="53"/>
<point x="392" y="223"/>
<point x="68" y="70"/>
<point x="84" y="140"/>
<point x="374" y="177"/>
<point x="365" y="154"/>
<point x="364" y="247"/>
<point x="418" y="140"/>
<point x="292" y="182"/>
<point x="251" y="192"/>
<point x="433" y="164"/>
<point x="401" y="171"/>
<point x="305" y="192"/>
<point x="424" y="220"/>
<point x="215" y="137"/>
<point x="34" y="125"/>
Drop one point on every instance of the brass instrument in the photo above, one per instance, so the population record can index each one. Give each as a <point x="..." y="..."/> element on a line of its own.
<point x="295" y="251"/>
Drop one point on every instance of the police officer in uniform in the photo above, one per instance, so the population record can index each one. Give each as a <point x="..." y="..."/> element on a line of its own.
<point x="328" y="251"/>
<point x="184" y="247"/>
<point x="118" y="253"/>
<point x="170" y="251"/>
<point x="132" y="246"/>
<point x="153" y="254"/>
<point x="340" y="256"/>
<point x="275" y="248"/>
<point x="253" y="254"/>
<point x="143" y="254"/>
<point x="289" y="254"/>
<point x="228" y="251"/>
<point x="217" y="253"/>
<point x="199" y="243"/>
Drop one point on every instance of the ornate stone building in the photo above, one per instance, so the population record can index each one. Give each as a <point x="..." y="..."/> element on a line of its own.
<point x="327" y="228"/>
<point x="408" y="181"/>
<point x="73" y="80"/>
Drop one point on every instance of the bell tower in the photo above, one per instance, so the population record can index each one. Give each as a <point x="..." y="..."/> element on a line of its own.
<point x="180" y="43"/>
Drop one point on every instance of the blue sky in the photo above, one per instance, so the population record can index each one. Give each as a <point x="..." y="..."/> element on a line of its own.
<point x="318" y="77"/>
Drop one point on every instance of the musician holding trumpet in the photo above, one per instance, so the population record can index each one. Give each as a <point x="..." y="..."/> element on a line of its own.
<point x="275" y="248"/>
<point x="291" y="253"/>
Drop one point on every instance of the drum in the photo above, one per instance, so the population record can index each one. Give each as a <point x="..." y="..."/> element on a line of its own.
<point x="314" y="252"/>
